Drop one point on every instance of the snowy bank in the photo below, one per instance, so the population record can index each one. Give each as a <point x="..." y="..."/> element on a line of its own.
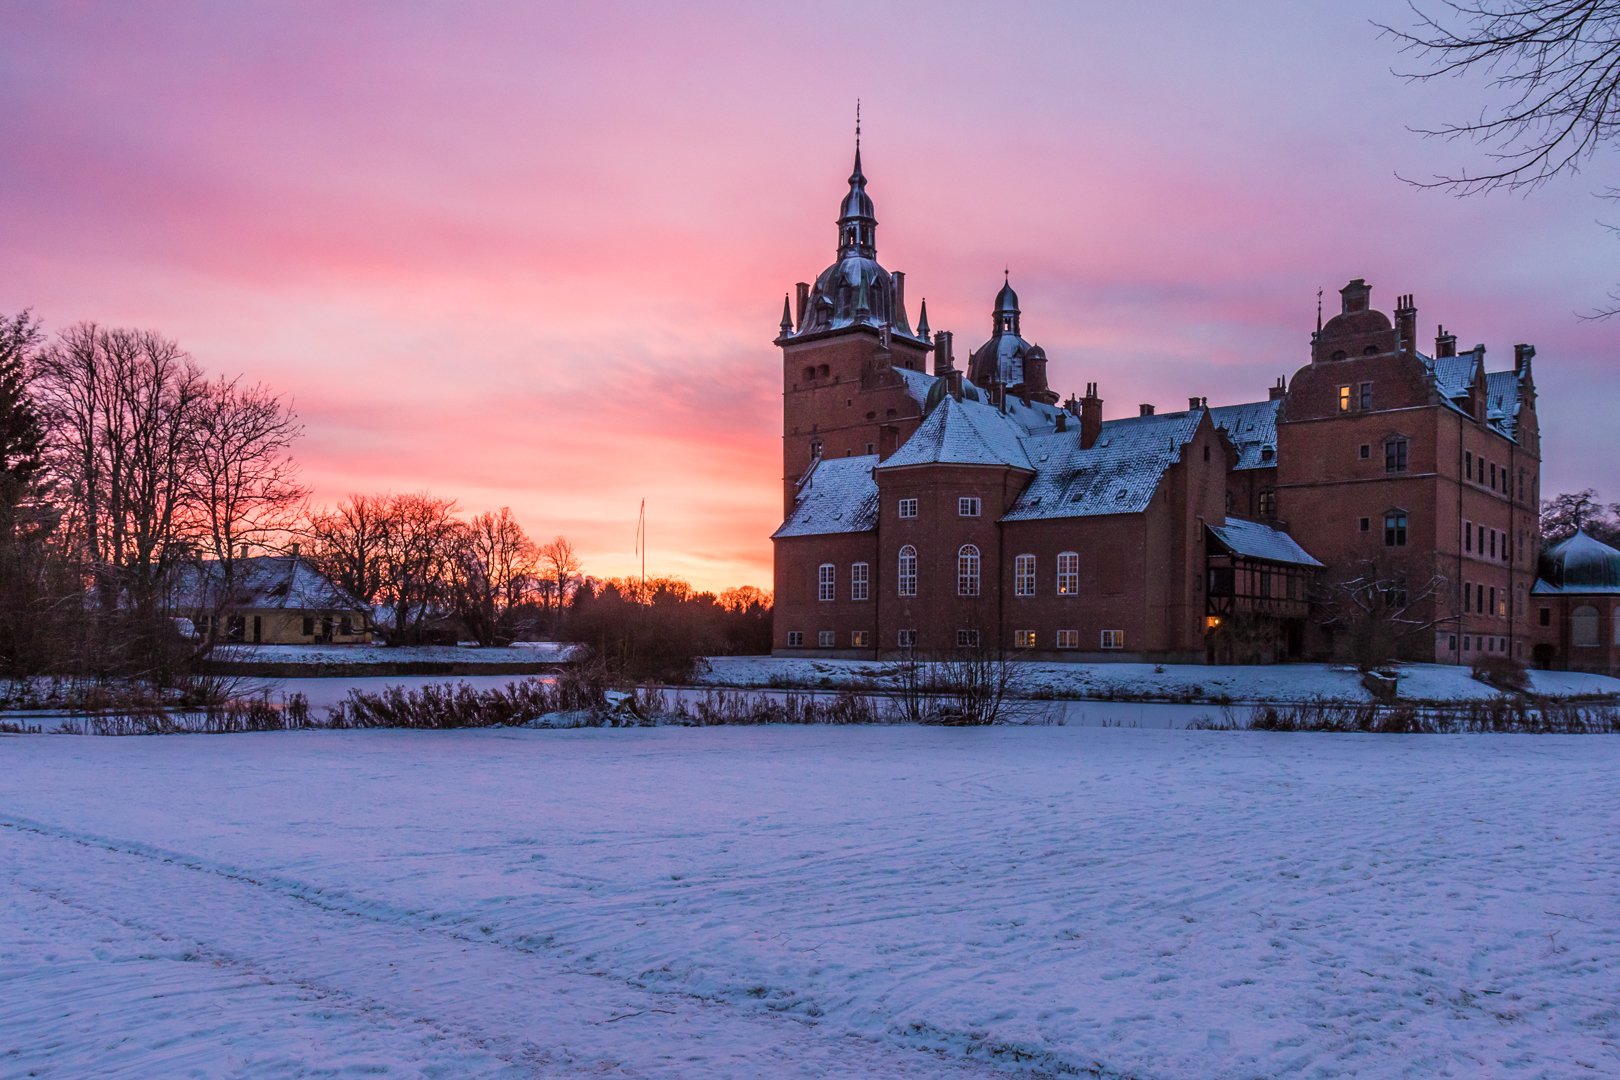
<point x="1166" y="682"/>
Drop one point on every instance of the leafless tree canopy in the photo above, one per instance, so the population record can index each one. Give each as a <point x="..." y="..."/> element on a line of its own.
<point x="1556" y="68"/>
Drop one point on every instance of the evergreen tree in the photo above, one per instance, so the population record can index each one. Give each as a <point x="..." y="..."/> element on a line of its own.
<point x="22" y="438"/>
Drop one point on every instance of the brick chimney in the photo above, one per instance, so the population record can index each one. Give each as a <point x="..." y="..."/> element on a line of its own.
<point x="1522" y="355"/>
<point x="803" y="289"/>
<point x="1147" y="410"/>
<point x="1405" y="324"/>
<point x="944" y="362"/>
<point x="1279" y="391"/>
<point x="1444" y="344"/>
<point x="1090" y="417"/>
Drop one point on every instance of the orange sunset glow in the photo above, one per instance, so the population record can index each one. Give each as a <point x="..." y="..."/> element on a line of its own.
<point x="535" y="256"/>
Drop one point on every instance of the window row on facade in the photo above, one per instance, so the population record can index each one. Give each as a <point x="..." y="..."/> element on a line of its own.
<point x="1485" y="542"/>
<point x="966" y="638"/>
<point x="968" y="506"/>
<point x="969" y="575"/>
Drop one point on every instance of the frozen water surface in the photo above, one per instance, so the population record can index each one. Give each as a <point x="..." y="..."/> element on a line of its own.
<point x="810" y="902"/>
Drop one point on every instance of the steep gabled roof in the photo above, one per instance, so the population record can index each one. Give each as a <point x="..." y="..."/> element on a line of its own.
<point x="838" y="495"/>
<point x="285" y="582"/>
<point x="1118" y="475"/>
<point x="962" y="433"/>
<point x="1253" y="540"/>
<point x="1252" y="428"/>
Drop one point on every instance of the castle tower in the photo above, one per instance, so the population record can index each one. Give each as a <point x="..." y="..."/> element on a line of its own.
<point x="847" y="346"/>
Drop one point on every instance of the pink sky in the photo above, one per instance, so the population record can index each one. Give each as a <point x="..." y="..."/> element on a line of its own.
<point x="536" y="257"/>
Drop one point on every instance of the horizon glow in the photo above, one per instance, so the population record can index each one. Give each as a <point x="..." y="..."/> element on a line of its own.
<point x="535" y="257"/>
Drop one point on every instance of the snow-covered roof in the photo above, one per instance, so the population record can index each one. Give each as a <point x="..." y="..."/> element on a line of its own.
<point x="1454" y="379"/>
<point x="1252" y="427"/>
<point x="838" y="496"/>
<point x="1578" y="565"/>
<point x="1254" y="540"/>
<point x="285" y="582"/>
<point x="1117" y="475"/>
<point x="963" y="433"/>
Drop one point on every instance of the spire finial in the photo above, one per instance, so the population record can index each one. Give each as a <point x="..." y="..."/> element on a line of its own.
<point x="1319" y="309"/>
<point x="857" y="125"/>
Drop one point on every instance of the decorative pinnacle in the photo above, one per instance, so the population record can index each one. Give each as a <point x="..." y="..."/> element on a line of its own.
<point x="857" y="124"/>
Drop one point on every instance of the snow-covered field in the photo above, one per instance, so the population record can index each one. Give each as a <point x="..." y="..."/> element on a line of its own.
<point x="744" y="902"/>
<point x="1172" y="682"/>
<point x="521" y="652"/>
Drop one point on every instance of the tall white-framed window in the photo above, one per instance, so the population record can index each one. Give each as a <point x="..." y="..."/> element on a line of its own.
<point x="967" y="570"/>
<point x="1024" y="639"/>
<point x="906" y="639"/>
<point x="826" y="582"/>
<point x="1068" y="573"/>
<point x="908" y="508"/>
<point x="1068" y="639"/>
<point x="967" y="506"/>
<point x="826" y="639"/>
<point x="1024" y="575"/>
<point x="860" y="576"/>
<point x="795" y="639"/>
<point x="1113" y="639"/>
<point x="906" y="579"/>
<point x="967" y="639"/>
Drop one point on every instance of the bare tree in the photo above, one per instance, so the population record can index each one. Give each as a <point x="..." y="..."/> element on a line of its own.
<point x="1555" y="68"/>
<point x="1376" y="608"/>
<point x="243" y="483"/>
<point x="1564" y="514"/>
<point x="121" y="406"/>
<point x="346" y="544"/>
<point x="560" y="565"/>
<point x="493" y="566"/>
<point x="417" y="542"/>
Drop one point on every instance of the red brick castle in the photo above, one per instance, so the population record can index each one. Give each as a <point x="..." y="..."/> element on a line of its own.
<point x="931" y="507"/>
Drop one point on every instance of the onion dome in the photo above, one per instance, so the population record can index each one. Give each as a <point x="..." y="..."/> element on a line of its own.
<point x="1580" y="564"/>
<point x="1007" y="358"/>
<point x="855" y="290"/>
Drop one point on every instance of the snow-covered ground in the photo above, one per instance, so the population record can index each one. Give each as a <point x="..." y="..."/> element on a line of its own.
<point x="745" y="902"/>
<point x="1170" y="682"/>
<point x="520" y="652"/>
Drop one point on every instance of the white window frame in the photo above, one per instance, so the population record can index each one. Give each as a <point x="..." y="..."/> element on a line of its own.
<point x="968" y="506"/>
<point x="967" y="639"/>
<point x="968" y="570"/>
<point x="1024" y="575"/>
<point x="908" y="508"/>
<point x="860" y="578"/>
<point x="859" y="639"/>
<point x="1068" y="573"/>
<point x="906" y="638"/>
<point x="1024" y="639"/>
<point x="906" y="579"/>
<point x="827" y="639"/>
<point x="1068" y="639"/>
<point x="1112" y="639"/>
<point x="795" y="639"/>
<point x="826" y="582"/>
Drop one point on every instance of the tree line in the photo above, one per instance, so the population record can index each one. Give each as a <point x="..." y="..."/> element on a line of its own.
<point x="133" y="484"/>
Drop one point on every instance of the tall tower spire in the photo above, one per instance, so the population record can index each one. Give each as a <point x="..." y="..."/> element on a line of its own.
<point x="857" y="221"/>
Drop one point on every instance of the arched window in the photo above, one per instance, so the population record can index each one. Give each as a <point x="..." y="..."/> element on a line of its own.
<point x="1583" y="627"/>
<point x="907" y="577"/>
<point x="1068" y="573"/>
<point x="967" y="571"/>
<point x="1024" y="575"/>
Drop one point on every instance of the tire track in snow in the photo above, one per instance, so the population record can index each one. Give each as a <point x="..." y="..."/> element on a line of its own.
<point x="386" y="966"/>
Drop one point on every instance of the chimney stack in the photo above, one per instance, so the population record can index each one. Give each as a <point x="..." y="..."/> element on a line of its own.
<point x="1444" y="344"/>
<point x="1522" y="355"/>
<point x="295" y="549"/>
<point x="1147" y="410"/>
<point x="1195" y="403"/>
<point x="1279" y="391"/>
<point x="803" y="289"/>
<point x="944" y="362"/>
<point x="898" y="315"/>
<point x="1405" y="324"/>
<point x="1090" y="417"/>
